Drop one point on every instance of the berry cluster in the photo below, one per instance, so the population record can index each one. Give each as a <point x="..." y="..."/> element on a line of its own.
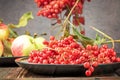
<point x="68" y="51"/>
<point x="52" y="9"/>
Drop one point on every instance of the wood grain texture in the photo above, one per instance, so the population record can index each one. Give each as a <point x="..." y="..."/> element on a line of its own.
<point x="9" y="72"/>
<point x="17" y="73"/>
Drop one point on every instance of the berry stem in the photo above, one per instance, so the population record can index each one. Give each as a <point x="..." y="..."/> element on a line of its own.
<point x="104" y="35"/>
<point x="67" y="18"/>
<point x="117" y="41"/>
<point x="66" y="30"/>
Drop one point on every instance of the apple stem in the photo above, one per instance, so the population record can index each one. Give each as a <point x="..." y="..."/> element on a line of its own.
<point x="35" y="35"/>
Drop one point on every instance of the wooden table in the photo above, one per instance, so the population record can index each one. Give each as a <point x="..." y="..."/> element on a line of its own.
<point x="18" y="73"/>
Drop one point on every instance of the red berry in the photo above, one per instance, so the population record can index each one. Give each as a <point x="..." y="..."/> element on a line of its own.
<point x="86" y="65"/>
<point x="88" y="47"/>
<point x="52" y="37"/>
<point x="88" y="73"/>
<point x="95" y="64"/>
<point x="91" y="68"/>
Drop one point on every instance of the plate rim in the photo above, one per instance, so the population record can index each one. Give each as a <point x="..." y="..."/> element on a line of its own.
<point x="19" y="60"/>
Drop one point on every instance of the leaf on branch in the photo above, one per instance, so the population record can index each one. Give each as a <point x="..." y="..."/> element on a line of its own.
<point x="24" y="19"/>
<point x="83" y="39"/>
<point x="99" y="40"/>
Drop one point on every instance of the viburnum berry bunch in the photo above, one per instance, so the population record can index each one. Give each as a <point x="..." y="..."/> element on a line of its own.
<point x="68" y="51"/>
<point x="73" y="47"/>
<point x="53" y="9"/>
<point x="70" y="11"/>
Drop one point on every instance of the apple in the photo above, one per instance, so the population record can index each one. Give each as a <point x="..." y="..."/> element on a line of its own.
<point x="23" y="45"/>
<point x="39" y="43"/>
<point x="4" y="31"/>
<point x="1" y="48"/>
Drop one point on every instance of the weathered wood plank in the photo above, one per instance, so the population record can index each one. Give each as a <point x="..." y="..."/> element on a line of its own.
<point x="14" y="72"/>
<point x="18" y="73"/>
<point x="69" y="78"/>
<point x="4" y="72"/>
<point x="10" y="72"/>
<point x="27" y="74"/>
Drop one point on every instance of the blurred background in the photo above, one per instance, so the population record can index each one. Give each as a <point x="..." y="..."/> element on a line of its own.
<point x="102" y="14"/>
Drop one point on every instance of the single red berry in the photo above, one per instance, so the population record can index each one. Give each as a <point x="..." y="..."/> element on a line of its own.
<point x="95" y="63"/>
<point x="88" y="73"/>
<point x="88" y="47"/>
<point x="91" y="68"/>
<point x="45" y="42"/>
<point x="86" y="65"/>
<point x="52" y="37"/>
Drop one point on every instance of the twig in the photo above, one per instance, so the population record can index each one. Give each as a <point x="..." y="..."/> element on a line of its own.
<point x="115" y="41"/>
<point x="104" y="35"/>
<point x="71" y="11"/>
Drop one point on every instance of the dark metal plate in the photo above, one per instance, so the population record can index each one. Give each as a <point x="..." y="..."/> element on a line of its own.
<point x="65" y="69"/>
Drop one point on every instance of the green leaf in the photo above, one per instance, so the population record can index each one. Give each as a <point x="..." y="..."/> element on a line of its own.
<point x="99" y="40"/>
<point x="24" y="19"/>
<point x="83" y="39"/>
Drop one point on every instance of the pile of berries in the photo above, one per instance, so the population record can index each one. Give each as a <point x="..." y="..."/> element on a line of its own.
<point x="68" y="51"/>
<point x="52" y="9"/>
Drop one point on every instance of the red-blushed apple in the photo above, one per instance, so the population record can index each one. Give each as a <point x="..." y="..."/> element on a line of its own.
<point x="39" y="43"/>
<point x="4" y="31"/>
<point x="23" y="45"/>
<point x="1" y="48"/>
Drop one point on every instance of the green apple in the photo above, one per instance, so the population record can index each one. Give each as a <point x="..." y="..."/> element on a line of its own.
<point x="23" y="45"/>
<point x="39" y="43"/>
<point x="4" y="31"/>
<point x="1" y="48"/>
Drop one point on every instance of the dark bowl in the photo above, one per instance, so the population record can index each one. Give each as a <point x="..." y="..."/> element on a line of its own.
<point x="65" y="69"/>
